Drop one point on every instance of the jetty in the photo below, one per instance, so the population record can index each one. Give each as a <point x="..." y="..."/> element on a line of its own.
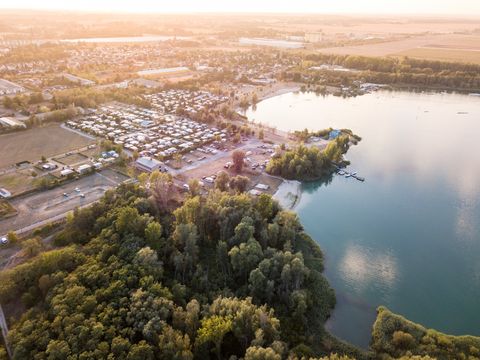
<point x="346" y="173"/>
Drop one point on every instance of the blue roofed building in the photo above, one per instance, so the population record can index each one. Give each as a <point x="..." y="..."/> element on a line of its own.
<point x="334" y="134"/>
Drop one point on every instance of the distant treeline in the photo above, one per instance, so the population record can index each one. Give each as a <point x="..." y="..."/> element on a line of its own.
<point x="388" y="70"/>
<point x="34" y="53"/>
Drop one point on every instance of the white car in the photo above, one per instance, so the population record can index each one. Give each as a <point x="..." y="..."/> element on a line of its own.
<point x="77" y="189"/>
<point x="82" y="196"/>
<point x="3" y="240"/>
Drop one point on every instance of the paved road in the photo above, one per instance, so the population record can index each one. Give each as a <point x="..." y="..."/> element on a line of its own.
<point x="251" y="143"/>
<point x="43" y="207"/>
<point x="3" y="325"/>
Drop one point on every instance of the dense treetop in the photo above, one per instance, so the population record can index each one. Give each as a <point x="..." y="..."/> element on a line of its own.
<point x="222" y="275"/>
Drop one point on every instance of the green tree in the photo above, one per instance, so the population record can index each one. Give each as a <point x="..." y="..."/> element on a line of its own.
<point x="238" y="158"/>
<point x="213" y="329"/>
<point x="221" y="182"/>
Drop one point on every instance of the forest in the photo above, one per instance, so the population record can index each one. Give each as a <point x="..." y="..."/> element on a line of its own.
<point x="137" y="278"/>
<point x="143" y="274"/>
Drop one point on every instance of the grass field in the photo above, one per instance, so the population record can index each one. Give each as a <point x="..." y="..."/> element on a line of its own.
<point x="17" y="182"/>
<point x="34" y="143"/>
<point x="71" y="159"/>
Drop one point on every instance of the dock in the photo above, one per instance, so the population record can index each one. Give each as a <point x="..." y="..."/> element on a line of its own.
<point x="347" y="174"/>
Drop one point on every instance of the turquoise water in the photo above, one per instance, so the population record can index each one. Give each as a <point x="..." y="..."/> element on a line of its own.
<point x="409" y="236"/>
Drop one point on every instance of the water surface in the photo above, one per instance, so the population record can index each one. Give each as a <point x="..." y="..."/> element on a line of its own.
<point x="409" y="236"/>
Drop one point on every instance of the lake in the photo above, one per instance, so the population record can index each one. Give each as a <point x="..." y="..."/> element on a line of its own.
<point x="409" y="236"/>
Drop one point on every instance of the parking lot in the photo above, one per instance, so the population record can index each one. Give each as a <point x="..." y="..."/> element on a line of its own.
<point x="51" y="204"/>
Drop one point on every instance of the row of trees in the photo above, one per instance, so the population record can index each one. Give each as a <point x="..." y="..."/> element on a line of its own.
<point x="394" y="71"/>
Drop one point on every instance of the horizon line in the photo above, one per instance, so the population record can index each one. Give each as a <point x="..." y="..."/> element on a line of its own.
<point x="197" y="12"/>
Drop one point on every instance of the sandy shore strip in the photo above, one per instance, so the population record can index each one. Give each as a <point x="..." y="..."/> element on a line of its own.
<point x="278" y="89"/>
<point x="289" y="194"/>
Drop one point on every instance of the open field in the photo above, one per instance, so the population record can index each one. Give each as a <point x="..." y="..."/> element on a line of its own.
<point x="17" y="181"/>
<point x="71" y="159"/>
<point x="365" y="25"/>
<point x="443" y="54"/>
<point x="33" y="143"/>
<point x="452" y="47"/>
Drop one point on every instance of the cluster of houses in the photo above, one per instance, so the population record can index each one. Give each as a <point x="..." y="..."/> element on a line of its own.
<point x="191" y="102"/>
<point x="105" y="159"/>
<point x="147" y="131"/>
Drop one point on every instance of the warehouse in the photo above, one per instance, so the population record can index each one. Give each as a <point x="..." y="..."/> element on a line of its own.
<point x="148" y="164"/>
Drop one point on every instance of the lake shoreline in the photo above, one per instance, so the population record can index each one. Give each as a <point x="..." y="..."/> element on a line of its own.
<point x="366" y="260"/>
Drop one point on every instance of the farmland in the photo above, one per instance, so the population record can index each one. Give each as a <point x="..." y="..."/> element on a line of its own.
<point x="455" y="47"/>
<point x="31" y="144"/>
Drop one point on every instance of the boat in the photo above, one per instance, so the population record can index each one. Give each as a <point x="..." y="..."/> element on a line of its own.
<point x="348" y="175"/>
<point x="354" y="173"/>
<point x="359" y="178"/>
<point x="462" y="112"/>
<point x="341" y="172"/>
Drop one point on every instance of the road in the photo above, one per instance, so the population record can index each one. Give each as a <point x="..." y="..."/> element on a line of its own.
<point x="3" y="325"/>
<point x="40" y="208"/>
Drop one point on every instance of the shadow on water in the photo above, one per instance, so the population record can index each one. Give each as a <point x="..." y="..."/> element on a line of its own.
<point x="349" y="318"/>
<point x="311" y="187"/>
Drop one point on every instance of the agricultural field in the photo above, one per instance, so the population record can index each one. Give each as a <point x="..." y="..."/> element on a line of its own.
<point x="443" y="54"/>
<point x="31" y="145"/>
<point x="453" y="47"/>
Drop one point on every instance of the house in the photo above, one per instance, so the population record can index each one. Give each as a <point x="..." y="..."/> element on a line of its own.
<point x="147" y="164"/>
<point x="66" y="172"/>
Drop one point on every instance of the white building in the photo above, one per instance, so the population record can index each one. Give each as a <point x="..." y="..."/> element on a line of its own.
<point x="83" y="169"/>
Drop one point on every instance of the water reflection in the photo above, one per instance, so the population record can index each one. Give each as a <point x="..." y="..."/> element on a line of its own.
<point x="411" y="232"/>
<point x="362" y="267"/>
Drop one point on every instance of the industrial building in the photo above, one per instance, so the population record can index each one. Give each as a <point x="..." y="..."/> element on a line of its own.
<point x="148" y="164"/>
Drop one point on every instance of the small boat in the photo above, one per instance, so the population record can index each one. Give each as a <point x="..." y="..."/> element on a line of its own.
<point x="341" y="172"/>
<point x="348" y="175"/>
<point x="462" y="112"/>
<point x="354" y="173"/>
<point x="359" y="178"/>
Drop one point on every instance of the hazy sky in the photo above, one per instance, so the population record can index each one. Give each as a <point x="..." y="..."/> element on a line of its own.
<point x="443" y="7"/>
